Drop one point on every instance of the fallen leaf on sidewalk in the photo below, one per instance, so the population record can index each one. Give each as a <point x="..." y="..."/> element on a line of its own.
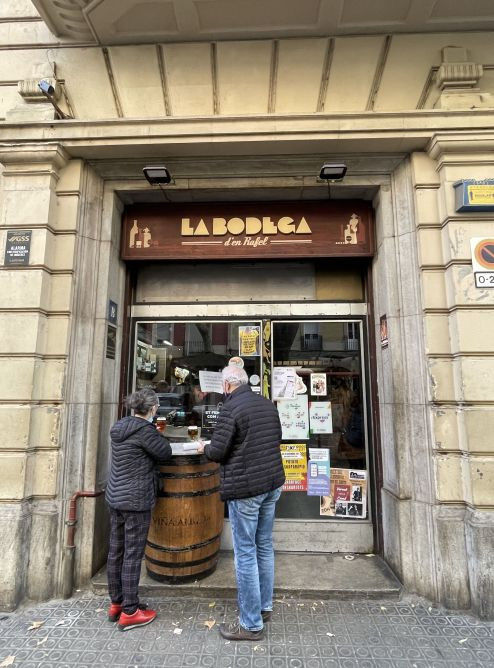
<point x="34" y="626"/>
<point x="210" y="623"/>
<point x="211" y="605"/>
<point x="8" y="661"/>
<point x="177" y="631"/>
<point x="60" y="622"/>
<point x="383" y="608"/>
<point x="41" y="642"/>
<point x="462" y="640"/>
<point x="331" y="635"/>
<point x="99" y="610"/>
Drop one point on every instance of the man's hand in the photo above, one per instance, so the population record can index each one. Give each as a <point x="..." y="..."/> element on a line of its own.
<point x="200" y="447"/>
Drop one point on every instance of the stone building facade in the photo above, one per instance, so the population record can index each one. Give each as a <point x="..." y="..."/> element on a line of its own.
<point x="406" y="100"/>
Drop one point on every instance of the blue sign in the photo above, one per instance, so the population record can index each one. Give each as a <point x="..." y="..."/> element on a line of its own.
<point x="318" y="475"/>
<point x="112" y="312"/>
<point x="474" y="195"/>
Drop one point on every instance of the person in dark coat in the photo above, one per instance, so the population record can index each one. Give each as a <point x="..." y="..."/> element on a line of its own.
<point x="246" y="442"/>
<point x="136" y="447"/>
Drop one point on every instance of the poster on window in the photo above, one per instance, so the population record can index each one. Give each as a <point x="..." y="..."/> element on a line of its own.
<point x="348" y="494"/>
<point x="294" y="418"/>
<point x="318" y="472"/>
<point x="249" y="341"/>
<point x="295" y="465"/>
<point x="284" y="382"/>
<point x="320" y="416"/>
<point x="318" y="385"/>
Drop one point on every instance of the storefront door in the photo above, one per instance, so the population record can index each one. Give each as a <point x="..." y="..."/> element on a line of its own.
<point x="315" y="372"/>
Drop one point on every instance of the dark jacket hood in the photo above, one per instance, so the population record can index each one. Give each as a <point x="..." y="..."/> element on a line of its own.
<point x="125" y="427"/>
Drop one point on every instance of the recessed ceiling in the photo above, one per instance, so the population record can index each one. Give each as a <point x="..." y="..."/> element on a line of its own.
<point x="109" y="22"/>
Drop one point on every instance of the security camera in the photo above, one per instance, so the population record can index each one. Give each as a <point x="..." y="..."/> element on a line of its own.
<point x="46" y="87"/>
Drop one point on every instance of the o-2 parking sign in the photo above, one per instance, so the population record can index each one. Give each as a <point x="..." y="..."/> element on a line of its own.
<point x="483" y="262"/>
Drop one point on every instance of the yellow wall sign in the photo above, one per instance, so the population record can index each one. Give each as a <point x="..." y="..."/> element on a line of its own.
<point x="480" y="194"/>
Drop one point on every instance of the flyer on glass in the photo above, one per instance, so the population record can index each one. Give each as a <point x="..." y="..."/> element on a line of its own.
<point x="294" y="418"/>
<point x="295" y="464"/>
<point x="284" y="382"/>
<point x="249" y="341"/>
<point x="320" y="416"/>
<point x="211" y="381"/>
<point x="318" y="385"/>
<point x="318" y="472"/>
<point x="348" y="494"/>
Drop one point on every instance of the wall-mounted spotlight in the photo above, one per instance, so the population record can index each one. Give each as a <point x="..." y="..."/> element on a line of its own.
<point x="332" y="172"/>
<point x="157" y="174"/>
<point x="49" y="92"/>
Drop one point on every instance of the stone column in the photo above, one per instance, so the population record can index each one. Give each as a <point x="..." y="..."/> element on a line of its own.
<point x="34" y="317"/>
<point x="408" y="490"/>
<point x="459" y="321"/>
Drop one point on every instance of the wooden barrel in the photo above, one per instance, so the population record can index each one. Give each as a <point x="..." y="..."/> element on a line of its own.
<point x="184" y="537"/>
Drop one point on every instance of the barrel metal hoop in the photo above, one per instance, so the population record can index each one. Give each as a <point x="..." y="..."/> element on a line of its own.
<point x="186" y="564"/>
<point x="178" y="476"/>
<point x="185" y="495"/>
<point x="195" y="546"/>
<point x="181" y="460"/>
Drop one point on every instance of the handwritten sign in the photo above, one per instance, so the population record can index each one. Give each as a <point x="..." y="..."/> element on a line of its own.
<point x="294" y="418"/>
<point x="211" y="381"/>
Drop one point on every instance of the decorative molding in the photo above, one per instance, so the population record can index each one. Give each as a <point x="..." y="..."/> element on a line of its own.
<point x="113" y="84"/>
<point x="326" y="70"/>
<point x="381" y="64"/>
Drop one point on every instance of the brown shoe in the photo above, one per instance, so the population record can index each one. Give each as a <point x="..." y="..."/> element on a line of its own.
<point x="234" y="631"/>
<point x="266" y="615"/>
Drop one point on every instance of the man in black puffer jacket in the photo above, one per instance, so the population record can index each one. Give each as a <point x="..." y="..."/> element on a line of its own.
<point x="246" y="442"/>
<point x="136" y="446"/>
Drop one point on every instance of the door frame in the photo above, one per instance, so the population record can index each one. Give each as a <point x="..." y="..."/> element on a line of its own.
<point x="290" y="535"/>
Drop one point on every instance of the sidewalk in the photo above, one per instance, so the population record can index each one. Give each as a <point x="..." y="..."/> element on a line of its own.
<point x="304" y="633"/>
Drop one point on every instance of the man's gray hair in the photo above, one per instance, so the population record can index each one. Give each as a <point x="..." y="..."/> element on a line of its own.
<point x="234" y="375"/>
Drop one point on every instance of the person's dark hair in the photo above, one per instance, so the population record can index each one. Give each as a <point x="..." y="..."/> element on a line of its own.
<point x="143" y="400"/>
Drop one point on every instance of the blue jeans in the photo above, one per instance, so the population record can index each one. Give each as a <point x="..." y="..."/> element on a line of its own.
<point x="252" y="521"/>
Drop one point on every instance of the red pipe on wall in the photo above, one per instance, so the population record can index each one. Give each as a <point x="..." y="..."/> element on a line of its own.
<point x="69" y="548"/>
<point x="71" y="520"/>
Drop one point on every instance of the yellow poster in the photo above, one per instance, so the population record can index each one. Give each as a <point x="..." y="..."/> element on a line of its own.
<point x="294" y="457"/>
<point x="480" y="194"/>
<point x="249" y="337"/>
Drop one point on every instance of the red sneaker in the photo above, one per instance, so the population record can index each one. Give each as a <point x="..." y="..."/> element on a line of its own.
<point x="139" y="618"/>
<point x="115" y="610"/>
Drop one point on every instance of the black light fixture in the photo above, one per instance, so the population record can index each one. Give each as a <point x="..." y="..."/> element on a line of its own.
<point x="332" y="172"/>
<point x="157" y="174"/>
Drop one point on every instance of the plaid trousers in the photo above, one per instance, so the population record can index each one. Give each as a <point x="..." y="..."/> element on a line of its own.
<point x="128" y="533"/>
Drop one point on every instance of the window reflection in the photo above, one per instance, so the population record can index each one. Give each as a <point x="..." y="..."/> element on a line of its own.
<point x="169" y="357"/>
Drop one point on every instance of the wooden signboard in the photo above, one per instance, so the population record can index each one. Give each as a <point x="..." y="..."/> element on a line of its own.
<point x="247" y="230"/>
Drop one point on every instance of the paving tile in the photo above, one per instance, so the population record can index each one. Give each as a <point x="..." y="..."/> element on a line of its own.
<point x="302" y="634"/>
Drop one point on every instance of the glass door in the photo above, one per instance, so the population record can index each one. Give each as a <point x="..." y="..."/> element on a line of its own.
<point x="318" y="384"/>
